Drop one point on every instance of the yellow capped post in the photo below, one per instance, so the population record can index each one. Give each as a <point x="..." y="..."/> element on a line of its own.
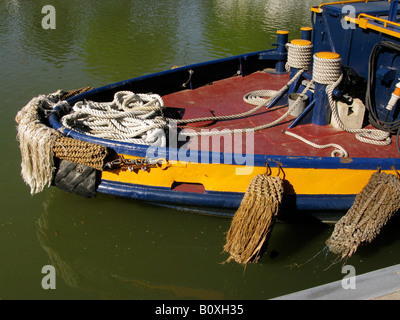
<point x="327" y="55"/>
<point x="300" y="42"/>
<point x="282" y="32"/>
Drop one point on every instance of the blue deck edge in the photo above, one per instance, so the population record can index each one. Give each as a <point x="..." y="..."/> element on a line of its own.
<point x="226" y="200"/>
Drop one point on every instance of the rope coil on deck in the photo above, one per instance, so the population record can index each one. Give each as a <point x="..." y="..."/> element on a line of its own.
<point x="130" y="117"/>
<point x="254" y="97"/>
<point x="371" y="136"/>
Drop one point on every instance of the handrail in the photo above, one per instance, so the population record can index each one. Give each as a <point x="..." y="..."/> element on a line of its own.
<point x="319" y="9"/>
<point x="363" y="21"/>
<point x="385" y="21"/>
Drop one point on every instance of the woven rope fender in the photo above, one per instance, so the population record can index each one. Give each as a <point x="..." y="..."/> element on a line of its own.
<point x="36" y="139"/>
<point x="371" y="210"/>
<point x="81" y="152"/>
<point x="253" y="221"/>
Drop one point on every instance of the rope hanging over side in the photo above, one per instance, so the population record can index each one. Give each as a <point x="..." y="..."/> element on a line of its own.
<point x="253" y="221"/>
<point x="371" y="210"/>
<point x="37" y="139"/>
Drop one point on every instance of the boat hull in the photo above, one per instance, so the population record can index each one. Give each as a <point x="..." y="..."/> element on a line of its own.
<point x="310" y="183"/>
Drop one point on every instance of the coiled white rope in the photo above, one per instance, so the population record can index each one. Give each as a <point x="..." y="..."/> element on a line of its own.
<point x="130" y="117"/>
<point x="328" y="71"/>
<point x="254" y="98"/>
<point x="371" y="136"/>
<point x="138" y="118"/>
<point x="299" y="56"/>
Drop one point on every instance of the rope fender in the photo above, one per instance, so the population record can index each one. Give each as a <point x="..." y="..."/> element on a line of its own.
<point x="373" y="207"/>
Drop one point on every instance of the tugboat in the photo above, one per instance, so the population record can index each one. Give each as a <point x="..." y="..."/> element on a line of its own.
<point x="320" y="112"/>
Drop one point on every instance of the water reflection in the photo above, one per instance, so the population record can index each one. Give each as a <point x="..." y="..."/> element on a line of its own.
<point x="110" y="37"/>
<point x="137" y="251"/>
<point x="122" y="254"/>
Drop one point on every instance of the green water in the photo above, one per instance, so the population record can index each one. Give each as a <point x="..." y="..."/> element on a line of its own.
<point x="112" y="248"/>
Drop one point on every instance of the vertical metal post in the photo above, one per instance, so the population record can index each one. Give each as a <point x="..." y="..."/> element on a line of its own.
<point x="393" y="10"/>
<point x="293" y="71"/>
<point x="322" y="110"/>
<point x="283" y="37"/>
<point x="306" y="33"/>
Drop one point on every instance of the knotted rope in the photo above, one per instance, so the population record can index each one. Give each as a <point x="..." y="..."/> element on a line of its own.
<point x="299" y="57"/>
<point x="371" y="210"/>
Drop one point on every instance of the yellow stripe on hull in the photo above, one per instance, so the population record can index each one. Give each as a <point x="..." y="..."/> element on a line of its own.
<point x="225" y="178"/>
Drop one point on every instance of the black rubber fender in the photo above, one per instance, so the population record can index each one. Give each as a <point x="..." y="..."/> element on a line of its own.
<point x="76" y="178"/>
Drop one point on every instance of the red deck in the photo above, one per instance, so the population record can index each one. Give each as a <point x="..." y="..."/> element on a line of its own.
<point x="225" y="97"/>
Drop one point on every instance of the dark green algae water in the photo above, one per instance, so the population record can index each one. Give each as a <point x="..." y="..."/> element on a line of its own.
<point x="112" y="248"/>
